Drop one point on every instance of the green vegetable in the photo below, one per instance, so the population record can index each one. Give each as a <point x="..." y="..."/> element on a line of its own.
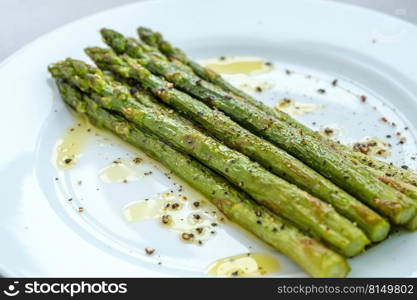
<point x="312" y="256"/>
<point x="390" y="170"/>
<point x="320" y="156"/>
<point x="309" y="213"/>
<point x="148" y="100"/>
<point x="405" y="188"/>
<point x="155" y="40"/>
<point x="233" y="135"/>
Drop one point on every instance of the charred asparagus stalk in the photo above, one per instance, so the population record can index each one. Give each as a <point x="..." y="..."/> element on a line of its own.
<point x="312" y="256"/>
<point x="147" y="99"/>
<point x="390" y="170"/>
<point x="320" y="156"/>
<point x="156" y="40"/>
<point x="307" y="212"/>
<point x="233" y="135"/>
<point x="407" y="189"/>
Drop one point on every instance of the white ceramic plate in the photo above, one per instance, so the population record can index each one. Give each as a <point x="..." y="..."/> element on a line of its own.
<point x="43" y="234"/>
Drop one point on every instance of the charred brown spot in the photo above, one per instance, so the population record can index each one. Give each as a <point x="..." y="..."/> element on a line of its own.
<point x="389" y="204"/>
<point x="365" y="212"/>
<point x="307" y="242"/>
<point x="190" y="139"/>
<point x="128" y="111"/>
<point x="222" y="202"/>
<point x="159" y="92"/>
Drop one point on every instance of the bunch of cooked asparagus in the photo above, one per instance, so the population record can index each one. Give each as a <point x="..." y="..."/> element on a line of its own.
<point x="312" y="199"/>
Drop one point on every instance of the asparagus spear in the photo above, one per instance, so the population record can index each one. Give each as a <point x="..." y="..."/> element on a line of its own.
<point x="399" y="179"/>
<point x="148" y="100"/>
<point x="233" y="135"/>
<point x="156" y="40"/>
<point x="371" y="223"/>
<point x="390" y="170"/>
<point x="312" y="256"/>
<point x="405" y="188"/>
<point x="118" y="42"/>
<point x="320" y="156"/>
<point x="306" y="211"/>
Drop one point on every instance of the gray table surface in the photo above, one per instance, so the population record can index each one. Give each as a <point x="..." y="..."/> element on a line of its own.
<point x="24" y="20"/>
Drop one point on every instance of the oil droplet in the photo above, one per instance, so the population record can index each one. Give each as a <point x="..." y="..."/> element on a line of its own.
<point x="330" y="131"/>
<point x="238" y="65"/>
<point x="251" y="85"/>
<point x="142" y="210"/>
<point x="119" y="171"/>
<point x="178" y="214"/>
<point x="70" y="146"/>
<point x="372" y="146"/>
<point x="248" y="264"/>
<point x="294" y="108"/>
